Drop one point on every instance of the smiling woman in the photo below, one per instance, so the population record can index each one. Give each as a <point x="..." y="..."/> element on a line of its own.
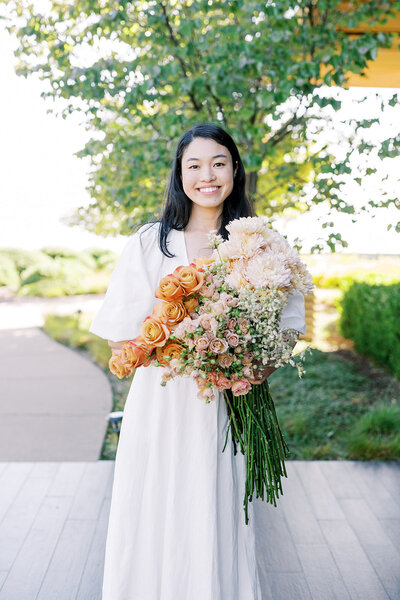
<point x="176" y="526"/>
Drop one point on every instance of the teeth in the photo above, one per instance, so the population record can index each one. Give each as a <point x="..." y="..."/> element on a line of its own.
<point x="209" y="189"/>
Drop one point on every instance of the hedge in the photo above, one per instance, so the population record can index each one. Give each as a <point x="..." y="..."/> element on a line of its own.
<point x="370" y="316"/>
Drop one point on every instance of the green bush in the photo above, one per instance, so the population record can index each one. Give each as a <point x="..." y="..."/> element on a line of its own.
<point x="376" y="435"/>
<point x="344" y="281"/>
<point x="8" y="272"/>
<point x="370" y="316"/>
<point x="105" y="259"/>
<point x="23" y="259"/>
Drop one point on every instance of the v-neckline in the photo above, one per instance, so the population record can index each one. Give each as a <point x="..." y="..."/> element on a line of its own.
<point x="184" y="247"/>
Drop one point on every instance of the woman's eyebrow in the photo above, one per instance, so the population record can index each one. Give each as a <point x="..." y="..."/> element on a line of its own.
<point x="216" y="156"/>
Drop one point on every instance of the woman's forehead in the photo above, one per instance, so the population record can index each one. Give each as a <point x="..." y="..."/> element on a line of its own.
<point x="205" y="148"/>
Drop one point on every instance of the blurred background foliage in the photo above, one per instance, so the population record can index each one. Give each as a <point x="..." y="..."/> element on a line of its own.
<point x="142" y="72"/>
<point x="52" y="272"/>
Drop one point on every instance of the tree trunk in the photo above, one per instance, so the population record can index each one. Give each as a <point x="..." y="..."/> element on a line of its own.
<point x="252" y="184"/>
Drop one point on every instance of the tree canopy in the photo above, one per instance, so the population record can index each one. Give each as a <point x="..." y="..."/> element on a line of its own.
<point x="142" y="72"/>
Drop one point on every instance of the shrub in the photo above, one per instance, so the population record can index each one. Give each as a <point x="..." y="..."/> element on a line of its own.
<point x="8" y="272"/>
<point x="105" y="259"/>
<point x="23" y="259"/>
<point x="376" y="435"/>
<point x="370" y="317"/>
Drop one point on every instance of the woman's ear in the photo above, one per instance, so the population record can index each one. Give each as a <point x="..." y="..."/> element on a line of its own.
<point x="236" y="169"/>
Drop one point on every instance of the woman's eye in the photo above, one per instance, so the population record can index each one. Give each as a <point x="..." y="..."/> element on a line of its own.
<point x="219" y="164"/>
<point x="193" y="166"/>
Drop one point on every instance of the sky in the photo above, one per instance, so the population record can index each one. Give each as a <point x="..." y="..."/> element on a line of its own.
<point x="41" y="180"/>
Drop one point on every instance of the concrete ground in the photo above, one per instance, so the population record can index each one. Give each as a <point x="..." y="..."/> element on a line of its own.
<point x="53" y="401"/>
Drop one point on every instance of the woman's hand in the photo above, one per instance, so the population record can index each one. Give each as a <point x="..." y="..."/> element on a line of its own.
<point x="262" y="374"/>
<point x="116" y="347"/>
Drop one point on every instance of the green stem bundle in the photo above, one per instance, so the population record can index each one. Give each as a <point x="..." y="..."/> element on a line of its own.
<point x="255" y="429"/>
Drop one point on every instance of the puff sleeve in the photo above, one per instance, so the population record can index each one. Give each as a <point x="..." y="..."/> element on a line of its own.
<point x="130" y="295"/>
<point x="293" y="315"/>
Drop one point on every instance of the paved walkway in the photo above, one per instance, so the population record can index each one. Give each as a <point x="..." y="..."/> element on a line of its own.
<point x="335" y="534"/>
<point x="53" y="401"/>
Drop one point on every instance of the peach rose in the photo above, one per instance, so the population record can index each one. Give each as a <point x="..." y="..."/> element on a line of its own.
<point x="203" y="261"/>
<point x="169" y="352"/>
<point x="241" y="387"/>
<point x="169" y="289"/>
<point x="201" y="343"/>
<point x="218" y="346"/>
<point x="190" y="304"/>
<point x="222" y="383"/>
<point x="225" y="360"/>
<point x="153" y="332"/>
<point x="135" y="353"/>
<point x="207" y="290"/>
<point x="170" y="313"/>
<point x="247" y="358"/>
<point x="206" y="393"/>
<point x="190" y="279"/>
<point x="232" y="339"/>
<point x="116" y="366"/>
<point x="243" y="325"/>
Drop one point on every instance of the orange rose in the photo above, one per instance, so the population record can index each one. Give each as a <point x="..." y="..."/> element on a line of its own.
<point x="135" y="353"/>
<point x="189" y="278"/>
<point x="168" y="352"/>
<point x="116" y="366"/>
<point x="203" y="261"/>
<point x="153" y="332"/>
<point x="170" y="289"/>
<point x="170" y="313"/>
<point x="190" y="304"/>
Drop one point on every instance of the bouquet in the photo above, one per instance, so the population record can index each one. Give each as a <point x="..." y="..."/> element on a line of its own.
<point x="218" y="322"/>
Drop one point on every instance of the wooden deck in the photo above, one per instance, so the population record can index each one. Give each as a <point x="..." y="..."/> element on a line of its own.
<point x="335" y="534"/>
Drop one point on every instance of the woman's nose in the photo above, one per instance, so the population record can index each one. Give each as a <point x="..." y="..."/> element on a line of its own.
<point x="207" y="175"/>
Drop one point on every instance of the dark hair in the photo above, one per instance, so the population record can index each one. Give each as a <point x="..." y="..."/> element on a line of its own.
<point x="177" y="206"/>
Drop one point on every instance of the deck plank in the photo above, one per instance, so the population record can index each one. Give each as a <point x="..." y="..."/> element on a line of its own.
<point x="358" y="574"/>
<point x="378" y="547"/>
<point x="322" y="575"/>
<point x="19" y="518"/>
<point x="326" y="540"/>
<point x="27" y="573"/>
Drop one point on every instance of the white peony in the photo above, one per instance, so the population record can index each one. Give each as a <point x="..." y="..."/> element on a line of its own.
<point x="268" y="270"/>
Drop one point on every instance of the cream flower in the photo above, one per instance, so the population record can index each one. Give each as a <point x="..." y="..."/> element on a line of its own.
<point x="267" y="270"/>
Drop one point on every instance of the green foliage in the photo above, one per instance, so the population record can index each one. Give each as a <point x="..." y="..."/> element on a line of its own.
<point x="376" y="434"/>
<point x="8" y="272"/>
<point x="370" y="317"/>
<point x="334" y="412"/>
<point x="143" y="73"/>
<point x="343" y="282"/>
<point x="56" y="272"/>
<point x="336" y="406"/>
<point x="23" y="259"/>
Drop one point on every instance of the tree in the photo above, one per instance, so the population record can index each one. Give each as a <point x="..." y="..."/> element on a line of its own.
<point x="142" y="72"/>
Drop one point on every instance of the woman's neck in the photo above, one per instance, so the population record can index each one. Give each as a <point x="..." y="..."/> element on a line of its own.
<point x="204" y="220"/>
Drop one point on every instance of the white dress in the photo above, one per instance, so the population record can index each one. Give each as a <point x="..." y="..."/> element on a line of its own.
<point x="176" y="529"/>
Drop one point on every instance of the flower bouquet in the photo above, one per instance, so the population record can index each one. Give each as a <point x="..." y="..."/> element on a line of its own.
<point x="218" y="322"/>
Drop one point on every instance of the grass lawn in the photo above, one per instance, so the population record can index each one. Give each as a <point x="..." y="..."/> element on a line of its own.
<point x="343" y="407"/>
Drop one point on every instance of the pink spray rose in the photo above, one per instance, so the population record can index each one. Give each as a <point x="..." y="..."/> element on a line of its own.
<point x="241" y="387"/>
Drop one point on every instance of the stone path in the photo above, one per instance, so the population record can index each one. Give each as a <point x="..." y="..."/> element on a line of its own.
<point x="53" y="402"/>
<point x="335" y="534"/>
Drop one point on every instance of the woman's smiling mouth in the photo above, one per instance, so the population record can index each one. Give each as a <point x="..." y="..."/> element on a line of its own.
<point x="208" y="190"/>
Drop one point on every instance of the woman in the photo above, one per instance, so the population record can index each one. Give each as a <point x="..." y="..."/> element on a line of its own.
<point x="176" y="528"/>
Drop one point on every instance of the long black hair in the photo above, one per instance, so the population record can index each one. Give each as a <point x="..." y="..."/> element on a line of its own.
<point x="177" y="206"/>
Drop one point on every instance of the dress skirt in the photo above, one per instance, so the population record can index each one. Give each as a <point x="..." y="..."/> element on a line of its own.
<point x="176" y="528"/>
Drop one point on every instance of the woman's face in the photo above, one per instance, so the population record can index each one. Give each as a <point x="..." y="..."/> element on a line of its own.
<point x="207" y="172"/>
